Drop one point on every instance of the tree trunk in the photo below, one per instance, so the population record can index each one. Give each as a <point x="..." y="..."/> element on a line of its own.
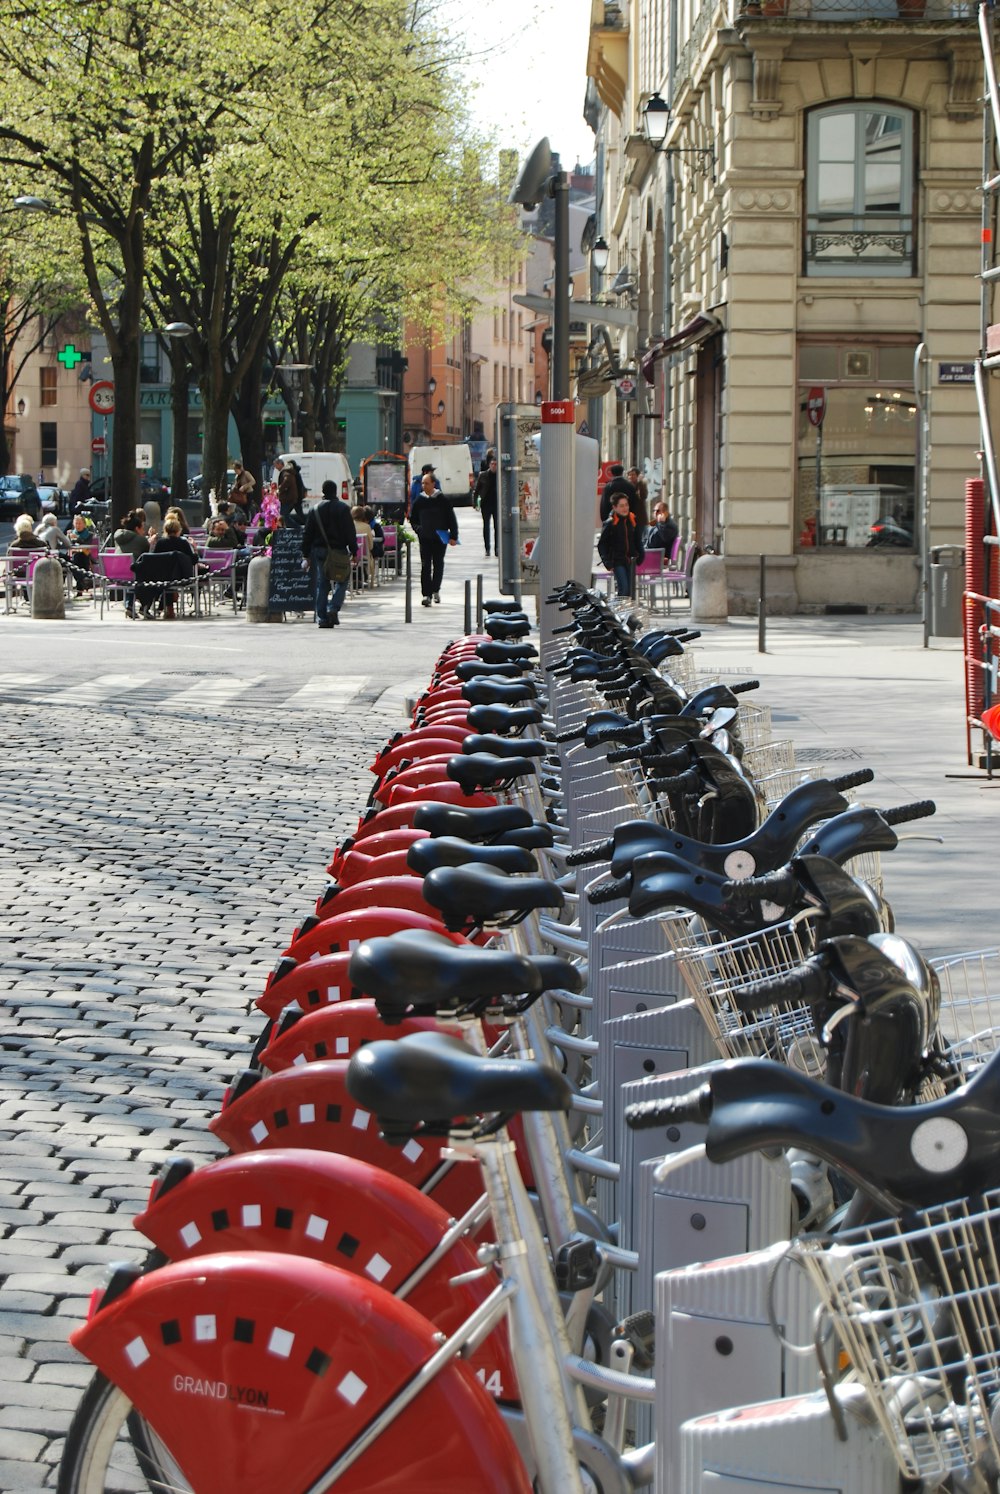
<point x="215" y="449"/>
<point x="125" y="353"/>
<point x="248" y="414"/>
<point x="179" y="384"/>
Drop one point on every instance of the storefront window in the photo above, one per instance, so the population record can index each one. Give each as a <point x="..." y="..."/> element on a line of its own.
<point x="856" y="449"/>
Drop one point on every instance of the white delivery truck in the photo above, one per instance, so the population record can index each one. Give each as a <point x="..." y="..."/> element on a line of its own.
<point x="452" y="468"/>
<point x="318" y="467"/>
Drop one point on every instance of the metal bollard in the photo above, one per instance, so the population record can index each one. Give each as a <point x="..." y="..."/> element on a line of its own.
<point x="408" y="614"/>
<point x="468" y="607"/>
<point x="479" y="602"/>
<point x="762" y="611"/>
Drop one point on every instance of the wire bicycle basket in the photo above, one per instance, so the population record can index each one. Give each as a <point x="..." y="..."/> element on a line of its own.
<point x="914" y="1306"/>
<point x="713" y="968"/>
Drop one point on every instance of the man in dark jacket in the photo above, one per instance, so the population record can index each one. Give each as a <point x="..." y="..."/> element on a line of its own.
<point x="433" y="518"/>
<point x="329" y="527"/>
<point x="417" y="485"/>
<point x="619" y="484"/>
<point x="486" y="496"/>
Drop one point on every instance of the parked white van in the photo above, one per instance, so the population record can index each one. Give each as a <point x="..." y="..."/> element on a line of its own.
<point x="452" y="468"/>
<point x="318" y="467"/>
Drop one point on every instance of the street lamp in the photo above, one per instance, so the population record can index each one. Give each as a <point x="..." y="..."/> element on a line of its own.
<point x="656" y="123"/>
<point x="294" y="388"/>
<point x="599" y="255"/>
<point x="539" y="177"/>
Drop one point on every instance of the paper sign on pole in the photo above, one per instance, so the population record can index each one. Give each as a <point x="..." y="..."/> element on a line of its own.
<point x="143" y="458"/>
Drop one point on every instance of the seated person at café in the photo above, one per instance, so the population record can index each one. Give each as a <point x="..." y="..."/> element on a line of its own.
<point x="83" y="544"/>
<point x="131" y="537"/>
<point x="49" y="531"/>
<point x="25" y="542"/>
<point x="171" y="542"/>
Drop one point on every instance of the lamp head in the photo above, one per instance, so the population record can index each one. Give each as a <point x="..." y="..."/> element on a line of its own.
<point x="529" y="189"/>
<point x="600" y="253"/>
<point x="656" y="120"/>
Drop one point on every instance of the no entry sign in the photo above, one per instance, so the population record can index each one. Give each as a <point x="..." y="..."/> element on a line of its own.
<point x="816" y="405"/>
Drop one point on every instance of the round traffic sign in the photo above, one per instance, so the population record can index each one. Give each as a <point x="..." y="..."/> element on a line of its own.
<point x="102" y="397"/>
<point x="816" y="405"/>
<point x="99" y="446"/>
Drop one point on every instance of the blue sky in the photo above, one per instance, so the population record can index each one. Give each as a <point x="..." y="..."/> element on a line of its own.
<point x="527" y="58"/>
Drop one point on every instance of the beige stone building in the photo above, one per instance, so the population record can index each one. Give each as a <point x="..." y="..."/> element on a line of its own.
<point x="812" y="220"/>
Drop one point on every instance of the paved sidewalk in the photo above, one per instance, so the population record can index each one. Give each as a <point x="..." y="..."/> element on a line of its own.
<point x="155" y="860"/>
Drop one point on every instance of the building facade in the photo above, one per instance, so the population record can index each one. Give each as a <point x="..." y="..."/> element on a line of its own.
<point x="805" y="250"/>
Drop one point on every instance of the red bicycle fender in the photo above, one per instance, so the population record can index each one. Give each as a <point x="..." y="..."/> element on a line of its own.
<point x="257" y="1371"/>
<point x="424" y="770"/>
<point x="338" y="1210"/>
<point x="403" y="892"/>
<point x="337" y="1032"/>
<point x="445" y="792"/>
<point x="344" y="930"/>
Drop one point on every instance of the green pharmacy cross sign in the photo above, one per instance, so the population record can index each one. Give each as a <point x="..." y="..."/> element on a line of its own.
<point x="69" y="357"/>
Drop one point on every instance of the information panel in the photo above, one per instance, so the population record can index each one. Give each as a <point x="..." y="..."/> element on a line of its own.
<point x="289" y="587"/>
<point x="518" y="429"/>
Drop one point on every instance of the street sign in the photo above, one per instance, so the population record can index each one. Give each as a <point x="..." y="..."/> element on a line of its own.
<point x="69" y="357"/>
<point x="956" y="373"/>
<point x="816" y="405"/>
<point x="143" y="458"/>
<point x="102" y="397"/>
<point x="99" y="447"/>
<point x="626" y="387"/>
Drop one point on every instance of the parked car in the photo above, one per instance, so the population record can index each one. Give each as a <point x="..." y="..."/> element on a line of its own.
<point x="18" y="495"/>
<point x="56" y="499"/>
<point x="151" y="489"/>
<point x="194" y="483"/>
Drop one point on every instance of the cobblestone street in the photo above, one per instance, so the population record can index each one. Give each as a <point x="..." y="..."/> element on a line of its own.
<point x="169" y="855"/>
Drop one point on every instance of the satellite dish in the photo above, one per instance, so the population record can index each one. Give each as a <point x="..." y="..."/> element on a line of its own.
<point x="529" y="189"/>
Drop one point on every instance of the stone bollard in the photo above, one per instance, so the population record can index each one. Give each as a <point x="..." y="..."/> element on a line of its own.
<point x="709" y="597"/>
<point x="258" y="577"/>
<point x="48" y="597"/>
<point x="154" y="518"/>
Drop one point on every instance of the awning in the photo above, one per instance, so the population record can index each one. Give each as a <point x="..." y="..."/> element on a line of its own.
<point x="698" y="329"/>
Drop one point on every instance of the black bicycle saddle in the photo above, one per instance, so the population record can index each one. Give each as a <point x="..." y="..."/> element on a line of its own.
<point x="478" y="669"/>
<point x="497" y="653"/>
<point x="498" y="692"/>
<point x="472" y="896"/>
<point x="485" y="769"/>
<point x="429" y="1078"/>
<point x="504" y="719"/>
<point x="414" y="972"/>
<point x="505" y="629"/>
<point x="486" y="824"/>
<point x="449" y="850"/>
<point x="504" y="746"/>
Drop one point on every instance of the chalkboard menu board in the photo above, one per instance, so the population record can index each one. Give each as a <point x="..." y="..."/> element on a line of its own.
<point x="289" y="587"/>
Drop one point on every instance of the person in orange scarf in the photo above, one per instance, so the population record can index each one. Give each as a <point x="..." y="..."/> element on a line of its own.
<point x="620" y="545"/>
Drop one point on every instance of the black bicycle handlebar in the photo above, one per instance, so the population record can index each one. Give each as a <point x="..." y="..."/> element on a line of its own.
<point x="744" y="686"/>
<point x="921" y="809"/>
<point x="611" y="892"/>
<point x="598" y="850"/>
<point x="805" y="985"/>
<point x="696" y="1105"/>
<point x="852" y="780"/>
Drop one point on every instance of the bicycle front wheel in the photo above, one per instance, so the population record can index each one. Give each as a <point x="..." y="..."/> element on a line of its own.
<point x="100" y="1456"/>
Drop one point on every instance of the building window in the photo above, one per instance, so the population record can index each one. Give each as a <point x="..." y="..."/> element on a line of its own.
<point x="149" y="360"/>
<point x="857" y="434"/>
<point x="859" y="191"/>
<point x="49" y="377"/>
<point x="50" y="450"/>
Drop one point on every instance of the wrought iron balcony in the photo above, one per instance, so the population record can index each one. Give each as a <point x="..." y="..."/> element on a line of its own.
<point x="859" y="248"/>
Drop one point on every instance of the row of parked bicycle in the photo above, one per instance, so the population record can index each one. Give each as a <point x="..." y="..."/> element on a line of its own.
<point x="589" y="1023"/>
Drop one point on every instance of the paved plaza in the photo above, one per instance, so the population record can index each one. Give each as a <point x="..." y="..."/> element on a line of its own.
<point x="173" y="794"/>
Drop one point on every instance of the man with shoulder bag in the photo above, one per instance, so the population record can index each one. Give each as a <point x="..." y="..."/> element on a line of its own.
<point x="329" y="544"/>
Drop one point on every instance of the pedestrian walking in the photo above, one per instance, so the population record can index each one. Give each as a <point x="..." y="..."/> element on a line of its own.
<point x="641" y="486"/>
<point x="433" y="519"/>
<point x="81" y="495"/>
<point x="329" y="545"/>
<point x="618" y="483"/>
<point x="241" y="491"/>
<point x="417" y="485"/>
<point x="620" y="545"/>
<point x="291" y="494"/>
<point x="485" y="495"/>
